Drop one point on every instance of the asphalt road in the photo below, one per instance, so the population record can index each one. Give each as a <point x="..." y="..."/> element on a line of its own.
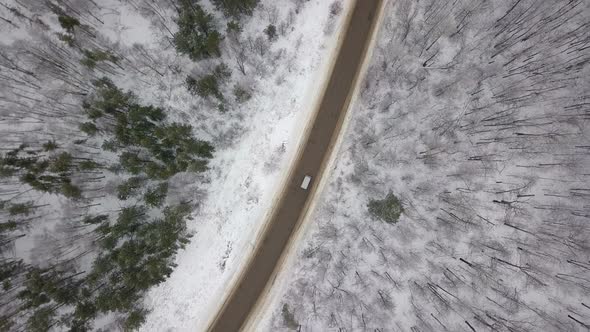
<point x="291" y="206"/>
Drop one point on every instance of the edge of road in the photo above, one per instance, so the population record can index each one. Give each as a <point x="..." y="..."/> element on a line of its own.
<point x="309" y="121"/>
<point x="270" y="294"/>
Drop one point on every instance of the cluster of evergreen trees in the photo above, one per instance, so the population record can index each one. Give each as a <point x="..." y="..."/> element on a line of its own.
<point x="145" y="142"/>
<point x="235" y="8"/>
<point x="198" y="38"/>
<point x="91" y="57"/>
<point x="135" y="245"/>
<point x="210" y="85"/>
<point x="135" y="253"/>
<point x="50" y="174"/>
<point x="388" y="209"/>
<point x="132" y="247"/>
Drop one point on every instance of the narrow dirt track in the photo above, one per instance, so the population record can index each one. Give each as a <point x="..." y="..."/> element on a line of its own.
<point x="291" y="206"/>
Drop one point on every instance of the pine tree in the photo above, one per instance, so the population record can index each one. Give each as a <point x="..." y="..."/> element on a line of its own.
<point x="135" y="318"/>
<point x="108" y="98"/>
<point x="222" y="72"/>
<point x="61" y="164"/>
<point x="233" y="27"/>
<point x="85" y="311"/>
<point x="131" y="162"/>
<point x="241" y="94"/>
<point x="66" y="38"/>
<point x="235" y="8"/>
<point x="71" y="191"/>
<point x="24" y="209"/>
<point x="50" y="146"/>
<point x="94" y="220"/>
<point x="41" y="319"/>
<point x="209" y="85"/>
<point x="129" y="220"/>
<point x="388" y="209"/>
<point x="271" y="32"/>
<point x="130" y="187"/>
<point x="91" y="58"/>
<point x="44" y="286"/>
<point x="89" y="128"/>
<point x="88" y="165"/>
<point x="68" y="22"/>
<point x="156" y="195"/>
<point x="196" y="36"/>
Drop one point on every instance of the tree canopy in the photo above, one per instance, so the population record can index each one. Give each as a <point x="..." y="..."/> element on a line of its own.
<point x="196" y="37"/>
<point x="137" y="243"/>
<point x="388" y="209"/>
<point x="235" y="8"/>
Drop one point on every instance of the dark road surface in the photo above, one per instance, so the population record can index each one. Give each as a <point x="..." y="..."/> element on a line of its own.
<point x="291" y="205"/>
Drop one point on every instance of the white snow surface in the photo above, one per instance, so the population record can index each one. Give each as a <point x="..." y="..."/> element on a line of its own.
<point x="247" y="175"/>
<point x="488" y="153"/>
<point x="255" y="141"/>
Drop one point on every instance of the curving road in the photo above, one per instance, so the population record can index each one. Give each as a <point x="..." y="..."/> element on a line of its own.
<point x="292" y="204"/>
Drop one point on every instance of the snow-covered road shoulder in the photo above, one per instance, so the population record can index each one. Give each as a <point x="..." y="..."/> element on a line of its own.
<point x="260" y="319"/>
<point x="247" y="176"/>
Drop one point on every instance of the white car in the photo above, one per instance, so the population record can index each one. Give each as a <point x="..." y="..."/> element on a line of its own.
<point x="306" y="181"/>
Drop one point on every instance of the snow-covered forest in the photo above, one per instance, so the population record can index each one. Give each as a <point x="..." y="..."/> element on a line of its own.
<point x="473" y="123"/>
<point x="141" y="143"/>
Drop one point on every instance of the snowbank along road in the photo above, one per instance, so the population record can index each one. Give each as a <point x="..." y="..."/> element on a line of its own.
<point x="291" y="206"/>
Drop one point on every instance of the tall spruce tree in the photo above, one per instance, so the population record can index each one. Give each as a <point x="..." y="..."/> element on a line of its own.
<point x="235" y="8"/>
<point x="196" y="37"/>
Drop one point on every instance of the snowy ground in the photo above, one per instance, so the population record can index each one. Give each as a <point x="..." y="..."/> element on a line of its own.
<point x="255" y="141"/>
<point x="474" y="113"/>
<point x="249" y="175"/>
